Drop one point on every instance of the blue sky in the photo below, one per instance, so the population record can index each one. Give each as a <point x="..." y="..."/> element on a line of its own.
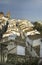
<point x="23" y="9"/>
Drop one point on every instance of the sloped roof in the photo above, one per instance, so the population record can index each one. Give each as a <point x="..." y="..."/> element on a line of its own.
<point x="34" y="37"/>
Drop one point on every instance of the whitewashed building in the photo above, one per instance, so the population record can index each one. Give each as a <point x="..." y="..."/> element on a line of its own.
<point x="32" y="42"/>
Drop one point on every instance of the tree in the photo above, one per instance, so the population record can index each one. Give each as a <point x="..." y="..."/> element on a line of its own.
<point x="3" y="30"/>
<point x="38" y="26"/>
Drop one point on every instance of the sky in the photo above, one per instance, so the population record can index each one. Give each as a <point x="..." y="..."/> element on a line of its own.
<point x="22" y="9"/>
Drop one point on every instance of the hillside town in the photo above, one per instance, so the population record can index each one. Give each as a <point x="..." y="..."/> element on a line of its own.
<point x="19" y="39"/>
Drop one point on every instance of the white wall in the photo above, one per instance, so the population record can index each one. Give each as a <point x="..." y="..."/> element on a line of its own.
<point x="33" y="42"/>
<point x="17" y="49"/>
<point x="20" y="50"/>
<point x="11" y="48"/>
<point x="28" y="40"/>
<point x="36" y="42"/>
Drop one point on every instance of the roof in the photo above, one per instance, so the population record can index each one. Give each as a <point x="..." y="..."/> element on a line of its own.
<point x="32" y="32"/>
<point x="36" y="36"/>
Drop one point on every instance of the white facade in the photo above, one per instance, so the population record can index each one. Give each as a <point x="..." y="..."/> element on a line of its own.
<point x="11" y="48"/>
<point x="20" y="50"/>
<point x="32" y="43"/>
<point x="35" y="42"/>
<point x="16" y="49"/>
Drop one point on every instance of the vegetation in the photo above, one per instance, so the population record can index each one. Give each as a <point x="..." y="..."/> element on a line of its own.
<point x="20" y="60"/>
<point x="3" y="30"/>
<point x="38" y="26"/>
